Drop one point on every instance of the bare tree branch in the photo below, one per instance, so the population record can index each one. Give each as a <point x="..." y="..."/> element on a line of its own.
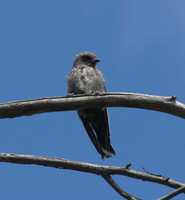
<point x="118" y="189"/>
<point x="173" y="193"/>
<point x="87" y="167"/>
<point x="52" y="104"/>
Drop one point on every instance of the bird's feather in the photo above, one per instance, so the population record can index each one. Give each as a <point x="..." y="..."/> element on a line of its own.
<point x="96" y="124"/>
<point x="85" y="78"/>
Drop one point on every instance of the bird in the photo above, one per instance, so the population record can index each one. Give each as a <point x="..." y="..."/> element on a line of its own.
<point x="86" y="79"/>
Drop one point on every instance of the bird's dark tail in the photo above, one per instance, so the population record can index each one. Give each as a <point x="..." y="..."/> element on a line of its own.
<point x="96" y="124"/>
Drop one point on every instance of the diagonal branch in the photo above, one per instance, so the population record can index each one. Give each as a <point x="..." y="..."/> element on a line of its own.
<point x="173" y="193"/>
<point x="88" y="168"/>
<point x="52" y="104"/>
<point x="117" y="188"/>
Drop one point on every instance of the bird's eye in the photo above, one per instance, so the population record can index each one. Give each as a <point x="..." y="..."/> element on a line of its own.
<point x="86" y="58"/>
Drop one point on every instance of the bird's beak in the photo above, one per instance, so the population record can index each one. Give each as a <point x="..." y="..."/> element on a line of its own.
<point x="97" y="60"/>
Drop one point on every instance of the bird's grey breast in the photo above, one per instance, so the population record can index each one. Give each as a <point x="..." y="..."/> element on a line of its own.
<point x="87" y="80"/>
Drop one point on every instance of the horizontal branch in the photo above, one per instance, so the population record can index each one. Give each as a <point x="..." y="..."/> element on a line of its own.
<point x="53" y="104"/>
<point x="88" y="168"/>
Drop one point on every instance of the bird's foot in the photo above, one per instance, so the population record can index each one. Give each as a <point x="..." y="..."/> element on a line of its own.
<point x="97" y="93"/>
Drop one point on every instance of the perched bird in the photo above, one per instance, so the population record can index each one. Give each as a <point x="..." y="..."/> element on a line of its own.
<point x="86" y="79"/>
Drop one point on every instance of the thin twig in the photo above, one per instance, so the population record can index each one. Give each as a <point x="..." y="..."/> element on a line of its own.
<point x="87" y="167"/>
<point x="151" y="173"/>
<point x="52" y="104"/>
<point x="173" y="193"/>
<point x="118" y="189"/>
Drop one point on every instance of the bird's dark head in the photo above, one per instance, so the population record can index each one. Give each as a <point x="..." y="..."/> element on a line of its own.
<point x="86" y="58"/>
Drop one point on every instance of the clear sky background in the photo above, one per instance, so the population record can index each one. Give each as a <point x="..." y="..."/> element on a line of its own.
<point x="142" y="48"/>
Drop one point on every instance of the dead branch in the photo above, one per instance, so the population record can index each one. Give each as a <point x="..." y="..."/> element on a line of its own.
<point x="173" y="193"/>
<point x="133" y="100"/>
<point x="118" y="189"/>
<point x="52" y="104"/>
<point x="88" y="168"/>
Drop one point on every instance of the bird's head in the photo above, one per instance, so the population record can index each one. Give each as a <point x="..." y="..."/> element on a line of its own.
<point x="86" y="58"/>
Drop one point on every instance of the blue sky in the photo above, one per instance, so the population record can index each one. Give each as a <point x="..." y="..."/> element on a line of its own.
<point x="141" y="45"/>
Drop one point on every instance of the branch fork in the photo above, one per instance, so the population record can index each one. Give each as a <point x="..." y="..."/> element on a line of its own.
<point x="132" y="100"/>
